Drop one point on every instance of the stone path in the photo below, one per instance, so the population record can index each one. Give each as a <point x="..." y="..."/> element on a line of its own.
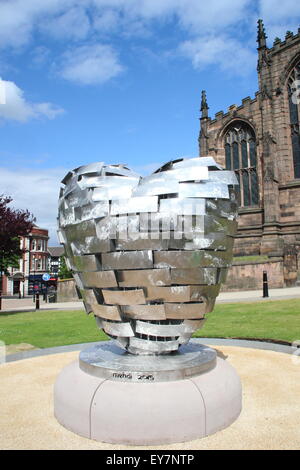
<point x="27" y="304"/>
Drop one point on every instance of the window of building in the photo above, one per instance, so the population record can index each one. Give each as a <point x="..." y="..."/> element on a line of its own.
<point x="240" y="156"/>
<point x="294" y="105"/>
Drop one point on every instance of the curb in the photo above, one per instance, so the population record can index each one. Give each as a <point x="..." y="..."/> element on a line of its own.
<point x="241" y="343"/>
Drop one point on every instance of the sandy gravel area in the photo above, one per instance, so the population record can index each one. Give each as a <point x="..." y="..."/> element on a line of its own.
<point x="269" y="420"/>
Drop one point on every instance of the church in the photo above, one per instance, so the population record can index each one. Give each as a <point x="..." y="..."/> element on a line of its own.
<point x="260" y="141"/>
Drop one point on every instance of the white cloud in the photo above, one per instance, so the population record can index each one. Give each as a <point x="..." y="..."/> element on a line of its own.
<point x="72" y="24"/>
<point x="18" y="18"/>
<point x="90" y="65"/>
<point x="78" y="20"/>
<point x="228" y="53"/>
<point x="16" y="107"/>
<point x="37" y="191"/>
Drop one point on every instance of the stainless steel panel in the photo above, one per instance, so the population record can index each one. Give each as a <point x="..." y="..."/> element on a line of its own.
<point x="204" y="190"/>
<point x="90" y="168"/>
<point x="127" y="260"/>
<point x="169" y="294"/>
<point x="118" y="329"/>
<point x="61" y="237"/>
<point x="141" y="241"/>
<point x="156" y="186"/>
<point x="89" y="296"/>
<point x="123" y="297"/>
<point x="218" y="259"/>
<point x="153" y="329"/>
<point x="144" y="278"/>
<point x="222" y="208"/>
<point x="120" y="170"/>
<point x="67" y="217"/>
<point x="178" y="259"/>
<point x="183" y="205"/>
<point x="109" y="312"/>
<point x="145" y="312"/>
<point x="194" y="276"/>
<point x="219" y="224"/>
<point x="117" y="227"/>
<point x="213" y="241"/>
<point x="153" y="346"/>
<point x="224" y="176"/>
<point x="198" y="293"/>
<point x="193" y="325"/>
<point x="184" y="311"/>
<point x="78" y="198"/>
<point x="198" y="162"/>
<point x="92" y="211"/>
<point x="134" y="205"/>
<point x="99" y="279"/>
<point x="87" y="263"/>
<point x="91" y="245"/>
<point x="80" y="231"/>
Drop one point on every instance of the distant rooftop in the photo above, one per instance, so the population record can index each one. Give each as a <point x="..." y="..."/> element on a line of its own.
<point x="56" y="251"/>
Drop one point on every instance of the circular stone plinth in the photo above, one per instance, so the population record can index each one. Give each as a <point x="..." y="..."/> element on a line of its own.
<point x="106" y="360"/>
<point x="147" y="413"/>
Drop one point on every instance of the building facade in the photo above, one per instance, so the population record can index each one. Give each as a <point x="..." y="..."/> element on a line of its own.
<point x="32" y="265"/>
<point x="260" y="141"/>
<point x="54" y="260"/>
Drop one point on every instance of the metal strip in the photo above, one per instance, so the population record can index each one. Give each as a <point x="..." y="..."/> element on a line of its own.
<point x="109" y="312"/>
<point x="185" y="311"/>
<point x="99" y="279"/>
<point x="144" y="278"/>
<point x="152" y="346"/>
<point x="169" y="294"/>
<point x="118" y="329"/>
<point x="127" y="260"/>
<point x="194" y="276"/>
<point x="123" y="297"/>
<point x="134" y="205"/>
<point x="145" y="312"/>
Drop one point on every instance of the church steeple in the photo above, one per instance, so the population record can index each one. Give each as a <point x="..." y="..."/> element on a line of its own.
<point x="261" y="35"/>
<point x="204" y="106"/>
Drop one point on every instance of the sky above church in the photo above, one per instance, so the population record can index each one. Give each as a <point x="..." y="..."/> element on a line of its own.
<point x="118" y="81"/>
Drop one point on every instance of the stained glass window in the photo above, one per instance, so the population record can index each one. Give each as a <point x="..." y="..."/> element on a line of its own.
<point x="294" y="105"/>
<point x="240" y="156"/>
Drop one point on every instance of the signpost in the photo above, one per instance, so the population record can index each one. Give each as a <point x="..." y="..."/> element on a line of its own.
<point x="46" y="278"/>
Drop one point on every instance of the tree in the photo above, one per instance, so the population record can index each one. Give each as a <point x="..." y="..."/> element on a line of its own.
<point x="64" y="271"/>
<point x="14" y="223"/>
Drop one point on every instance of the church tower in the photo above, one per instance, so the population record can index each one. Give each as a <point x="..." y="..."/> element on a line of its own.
<point x="260" y="141"/>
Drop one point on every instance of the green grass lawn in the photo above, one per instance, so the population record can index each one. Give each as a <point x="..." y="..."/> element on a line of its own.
<point x="277" y="320"/>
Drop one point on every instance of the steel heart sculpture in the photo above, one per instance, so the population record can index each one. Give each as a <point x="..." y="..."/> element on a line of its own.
<point x="149" y="254"/>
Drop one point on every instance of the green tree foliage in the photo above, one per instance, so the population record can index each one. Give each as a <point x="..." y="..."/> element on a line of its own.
<point x="64" y="272"/>
<point x="13" y="224"/>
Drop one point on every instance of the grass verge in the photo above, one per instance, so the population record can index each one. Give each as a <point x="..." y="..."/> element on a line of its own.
<point x="276" y="320"/>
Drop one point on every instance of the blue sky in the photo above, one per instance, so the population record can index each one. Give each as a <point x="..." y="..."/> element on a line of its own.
<point x="118" y="81"/>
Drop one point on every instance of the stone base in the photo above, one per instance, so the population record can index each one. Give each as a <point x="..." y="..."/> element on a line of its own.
<point x="153" y="413"/>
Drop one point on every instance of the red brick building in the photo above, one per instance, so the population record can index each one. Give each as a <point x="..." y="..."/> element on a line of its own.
<point x="32" y="265"/>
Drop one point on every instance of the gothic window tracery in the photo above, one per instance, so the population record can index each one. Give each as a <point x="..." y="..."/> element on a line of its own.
<point x="294" y="106"/>
<point x="240" y="156"/>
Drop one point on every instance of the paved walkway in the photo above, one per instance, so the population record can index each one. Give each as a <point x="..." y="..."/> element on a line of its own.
<point x="27" y="304"/>
<point x="269" y="420"/>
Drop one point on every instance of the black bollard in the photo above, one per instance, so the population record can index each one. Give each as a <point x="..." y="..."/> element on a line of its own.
<point x="37" y="301"/>
<point x="265" y="285"/>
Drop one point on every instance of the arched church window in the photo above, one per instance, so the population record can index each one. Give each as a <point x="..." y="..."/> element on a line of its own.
<point x="294" y="105"/>
<point x="240" y="156"/>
